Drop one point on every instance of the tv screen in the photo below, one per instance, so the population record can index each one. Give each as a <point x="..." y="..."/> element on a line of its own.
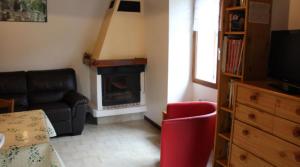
<point x="284" y="60"/>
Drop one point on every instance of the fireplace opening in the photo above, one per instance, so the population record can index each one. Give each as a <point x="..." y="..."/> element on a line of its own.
<point x="121" y="85"/>
<point x="120" y="89"/>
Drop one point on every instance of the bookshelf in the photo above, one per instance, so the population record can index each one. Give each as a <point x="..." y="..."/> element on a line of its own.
<point x="244" y="47"/>
<point x="235" y="8"/>
<point x="235" y="33"/>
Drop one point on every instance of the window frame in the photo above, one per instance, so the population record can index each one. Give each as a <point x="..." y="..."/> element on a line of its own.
<point x="194" y="65"/>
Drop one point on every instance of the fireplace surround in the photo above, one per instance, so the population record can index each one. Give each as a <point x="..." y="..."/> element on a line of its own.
<point x="121" y="85"/>
<point x="118" y="89"/>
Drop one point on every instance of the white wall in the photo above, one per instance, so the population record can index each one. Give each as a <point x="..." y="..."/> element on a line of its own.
<point x="286" y="15"/>
<point x="156" y="23"/>
<point x="204" y="93"/>
<point x="180" y="50"/>
<point x="294" y="14"/>
<point x="169" y="53"/>
<point x="280" y="14"/>
<point x="71" y="30"/>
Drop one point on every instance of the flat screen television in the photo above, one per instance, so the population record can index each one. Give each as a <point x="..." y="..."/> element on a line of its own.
<point x="284" y="59"/>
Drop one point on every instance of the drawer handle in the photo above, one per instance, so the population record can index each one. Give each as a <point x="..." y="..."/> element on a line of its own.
<point x="243" y="157"/>
<point x="252" y="116"/>
<point x="245" y="132"/>
<point x="297" y="157"/>
<point x="254" y="97"/>
<point x="296" y="132"/>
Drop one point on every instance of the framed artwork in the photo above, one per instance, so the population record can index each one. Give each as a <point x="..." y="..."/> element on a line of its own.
<point x="23" y="10"/>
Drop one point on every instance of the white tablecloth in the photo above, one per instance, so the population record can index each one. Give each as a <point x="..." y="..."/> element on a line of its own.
<point x="27" y="140"/>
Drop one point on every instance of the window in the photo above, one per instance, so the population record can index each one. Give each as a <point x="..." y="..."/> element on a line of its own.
<point x="206" y="27"/>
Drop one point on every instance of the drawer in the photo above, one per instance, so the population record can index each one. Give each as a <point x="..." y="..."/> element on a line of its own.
<point x="288" y="109"/>
<point x="242" y="158"/>
<point x="270" y="148"/>
<point x="282" y="128"/>
<point x="256" y="99"/>
<point x="259" y="119"/>
<point x="287" y="130"/>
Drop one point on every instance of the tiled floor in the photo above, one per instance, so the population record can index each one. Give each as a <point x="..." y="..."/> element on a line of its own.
<point x="131" y="144"/>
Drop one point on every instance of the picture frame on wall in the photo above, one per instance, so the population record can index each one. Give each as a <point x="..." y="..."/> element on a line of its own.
<point x="23" y="10"/>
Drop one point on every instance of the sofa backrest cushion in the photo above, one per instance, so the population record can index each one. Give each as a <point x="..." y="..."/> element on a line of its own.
<point x="50" y="86"/>
<point x="13" y="85"/>
<point x="13" y="82"/>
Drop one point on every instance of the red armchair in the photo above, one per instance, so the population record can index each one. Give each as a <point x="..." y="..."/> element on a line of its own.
<point x="188" y="134"/>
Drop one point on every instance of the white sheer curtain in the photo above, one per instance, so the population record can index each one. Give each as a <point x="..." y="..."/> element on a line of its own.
<point x="206" y="12"/>
<point x="206" y="24"/>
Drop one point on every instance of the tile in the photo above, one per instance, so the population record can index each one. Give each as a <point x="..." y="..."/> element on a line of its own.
<point x="127" y="144"/>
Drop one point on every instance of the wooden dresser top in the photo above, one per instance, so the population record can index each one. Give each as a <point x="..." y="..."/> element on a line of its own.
<point x="265" y="87"/>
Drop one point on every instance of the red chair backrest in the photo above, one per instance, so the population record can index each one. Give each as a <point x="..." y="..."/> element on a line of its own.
<point x="189" y="109"/>
<point x="188" y="141"/>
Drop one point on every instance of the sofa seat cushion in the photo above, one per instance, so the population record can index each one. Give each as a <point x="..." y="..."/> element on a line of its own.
<point x="56" y="112"/>
<point x="13" y="83"/>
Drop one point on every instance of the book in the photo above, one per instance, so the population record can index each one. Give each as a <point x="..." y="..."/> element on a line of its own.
<point x="239" y="71"/>
<point x="235" y="52"/>
<point x="231" y="93"/>
<point x="242" y="2"/>
<point x="232" y="55"/>
<point x="237" y="56"/>
<point x="228" y="55"/>
<point x="224" y="53"/>
<point x="238" y="3"/>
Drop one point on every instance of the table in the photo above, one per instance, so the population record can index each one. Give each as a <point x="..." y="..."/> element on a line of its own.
<point x="27" y="141"/>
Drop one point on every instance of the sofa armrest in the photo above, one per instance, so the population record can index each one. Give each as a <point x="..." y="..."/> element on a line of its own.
<point x="75" y="99"/>
<point x="79" y="106"/>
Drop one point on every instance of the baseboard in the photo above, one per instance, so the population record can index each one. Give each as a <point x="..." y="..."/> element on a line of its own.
<point x="120" y="118"/>
<point x="152" y="123"/>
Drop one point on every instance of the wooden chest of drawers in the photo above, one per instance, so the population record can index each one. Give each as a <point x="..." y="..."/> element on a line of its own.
<point x="266" y="128"/>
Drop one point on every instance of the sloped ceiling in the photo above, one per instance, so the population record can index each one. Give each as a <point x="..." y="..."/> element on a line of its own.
<point x="122" y="35"/>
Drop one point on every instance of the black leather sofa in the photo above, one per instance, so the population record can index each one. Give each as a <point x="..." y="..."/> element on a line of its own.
<point x="53" y="91"/>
